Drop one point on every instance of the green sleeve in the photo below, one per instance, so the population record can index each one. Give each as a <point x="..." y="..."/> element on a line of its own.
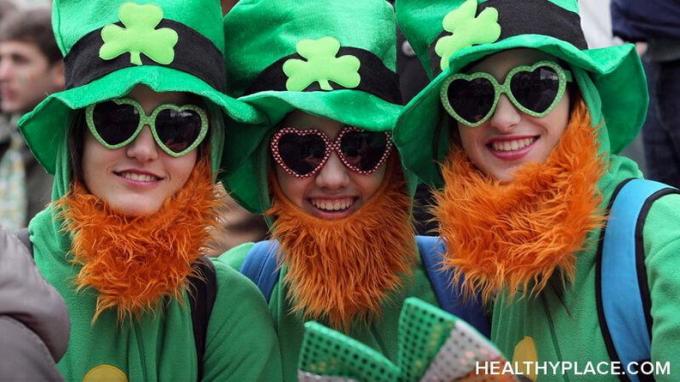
<point x="662" y="259"/>
<point x="237" y="255"/>
<point x="241" y="341"/>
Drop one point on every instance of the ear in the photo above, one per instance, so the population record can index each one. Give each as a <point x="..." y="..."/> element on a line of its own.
<point x="58" y="79"/>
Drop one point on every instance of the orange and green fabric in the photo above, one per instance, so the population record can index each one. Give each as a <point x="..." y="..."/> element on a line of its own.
<point x="331" y="59"/>
<point x="447" y="36"/>
<point x="550" y="327"/>
<point x="170" y="46"/>
<point x="381" y="335"/>
<point x="159" y="345"/>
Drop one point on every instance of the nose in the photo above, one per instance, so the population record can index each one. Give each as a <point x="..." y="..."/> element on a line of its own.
<point x="143" y="148"/>
<point x="4" y="69"/>
<point x="333" y="175"/>
<point x="506" y="116"/>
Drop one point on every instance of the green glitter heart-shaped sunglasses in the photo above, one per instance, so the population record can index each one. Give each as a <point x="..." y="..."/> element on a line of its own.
<point x="176" y="129"/>
<point x="471" y="99"/>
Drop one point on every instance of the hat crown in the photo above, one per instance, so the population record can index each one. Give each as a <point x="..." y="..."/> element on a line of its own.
<point x="203" y="16"/>
<point x="261" y="32"/>
<point x="424" y="25"/>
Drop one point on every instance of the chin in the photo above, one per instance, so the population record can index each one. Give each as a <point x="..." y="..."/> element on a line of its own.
<point x="136" y="210"/>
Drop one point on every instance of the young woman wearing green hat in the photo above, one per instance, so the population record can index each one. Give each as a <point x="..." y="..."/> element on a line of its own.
<point x="520" y="125"/>
<point x="325" y="172"/>
<point x="135" y="142"/>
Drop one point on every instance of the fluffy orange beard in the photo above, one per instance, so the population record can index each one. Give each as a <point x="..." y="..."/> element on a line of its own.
<point x="516" y="236"/>
<point x="134" y="262"/>
<point x="341" y="270"/>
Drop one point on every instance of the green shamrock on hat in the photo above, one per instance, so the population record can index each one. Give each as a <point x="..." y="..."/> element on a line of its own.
<point x="139" y="35"/>
<point x="467" y="30"/>
<point x="321" y="66"/>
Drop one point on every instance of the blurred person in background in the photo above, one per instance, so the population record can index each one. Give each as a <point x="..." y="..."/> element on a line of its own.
<point x="657" y="23"/>
<point x="596" y="21"/>
<point x="33" y="320"/>
<point x="30" y="69"/>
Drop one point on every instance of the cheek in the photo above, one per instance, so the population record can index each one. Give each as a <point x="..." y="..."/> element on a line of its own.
<point x="557" y="121"/>
<point x="93" y="162"/>
<point x="180" y="168"/>
<point x="470" y="140"/>
<point x="35" y="70"/>
<point x="292" y="187"/>
<point x="368" y="185"/>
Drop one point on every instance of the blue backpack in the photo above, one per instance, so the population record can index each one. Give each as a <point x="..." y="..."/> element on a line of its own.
<point x="622" y="292"/>
<point x="261" y="267"/>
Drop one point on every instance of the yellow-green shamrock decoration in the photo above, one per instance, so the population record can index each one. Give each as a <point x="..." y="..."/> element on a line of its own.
<point x="321" y="66"/>
<point x="139" y="35"/>
<point x="467" y="30"/>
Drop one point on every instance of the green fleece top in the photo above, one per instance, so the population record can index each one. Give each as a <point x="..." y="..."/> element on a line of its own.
<point x="569" y="329"/>
<point x="241" y="344"/>
<point x="381" y="335"/>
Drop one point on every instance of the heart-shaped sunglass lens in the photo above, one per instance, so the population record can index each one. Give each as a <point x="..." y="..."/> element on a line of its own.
<point x="301" y="153"/>
<point x="471" y="100"/>
<point x="178" y="129"/>
<point x="363" y="150"/>
<point x="536" y="90"/>
<point x="114" y="122"/>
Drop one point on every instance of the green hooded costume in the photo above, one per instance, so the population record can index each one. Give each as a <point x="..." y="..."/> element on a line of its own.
<point x="548" y="327"/>
<point x="264" y="34"/>
<point x="110" y="47"/>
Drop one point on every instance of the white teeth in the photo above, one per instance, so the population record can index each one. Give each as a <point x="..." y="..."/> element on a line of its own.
<point x="138" y="177"/>
<point x="515" y="145"/>
<point x="332" y="205"/>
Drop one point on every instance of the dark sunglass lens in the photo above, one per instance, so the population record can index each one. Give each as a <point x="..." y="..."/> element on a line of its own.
<point x="301" y="153"/>
<point x="114" y="122"/>
<point x="363" y="149"/>
<point x="472" y="100"/>
<point x="535" y="90"/>
<point x="178" y="129"/>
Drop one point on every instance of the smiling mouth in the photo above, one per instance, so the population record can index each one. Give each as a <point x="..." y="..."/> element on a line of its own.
<point x="136" y="177"/>
<point x="334" y="205"/>
<point x="512" y="145"/>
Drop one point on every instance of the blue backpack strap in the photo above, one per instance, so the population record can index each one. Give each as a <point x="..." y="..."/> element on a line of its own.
<point x="260" y="266"/>
<point x="449" y="298"/>
<point x="622" y="292"/>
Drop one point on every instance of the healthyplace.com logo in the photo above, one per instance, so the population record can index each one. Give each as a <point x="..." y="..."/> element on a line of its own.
<point x="536" y="368"/>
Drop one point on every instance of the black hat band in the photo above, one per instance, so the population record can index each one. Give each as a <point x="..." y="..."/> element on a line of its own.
<point x="376" y="78"/>
<point x="541" y="17"/>
<point x="194" y="54"/>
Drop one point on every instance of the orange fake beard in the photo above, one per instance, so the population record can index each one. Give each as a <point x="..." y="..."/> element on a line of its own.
<point x="341" y="270"/>
<point x="135" y="262"/>
<point x="517" y="236"/>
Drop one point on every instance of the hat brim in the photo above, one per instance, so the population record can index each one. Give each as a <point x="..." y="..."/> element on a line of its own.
<point x="615" y="71"/>
<point x="44" y="127"/>
<point x="246" y="166"/>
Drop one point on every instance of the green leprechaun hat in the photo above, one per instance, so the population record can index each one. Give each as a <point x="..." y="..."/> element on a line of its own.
<point x="334" y="59"/>
<point x="448" y="35"/>
<point x="111" y="46"/>
<point x="433" y="345"/>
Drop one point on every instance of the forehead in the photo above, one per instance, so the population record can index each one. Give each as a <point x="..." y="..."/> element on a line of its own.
<point x="150" y="99"/>
<point x="501" y="63"/>
<point x="304" y="121"/>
